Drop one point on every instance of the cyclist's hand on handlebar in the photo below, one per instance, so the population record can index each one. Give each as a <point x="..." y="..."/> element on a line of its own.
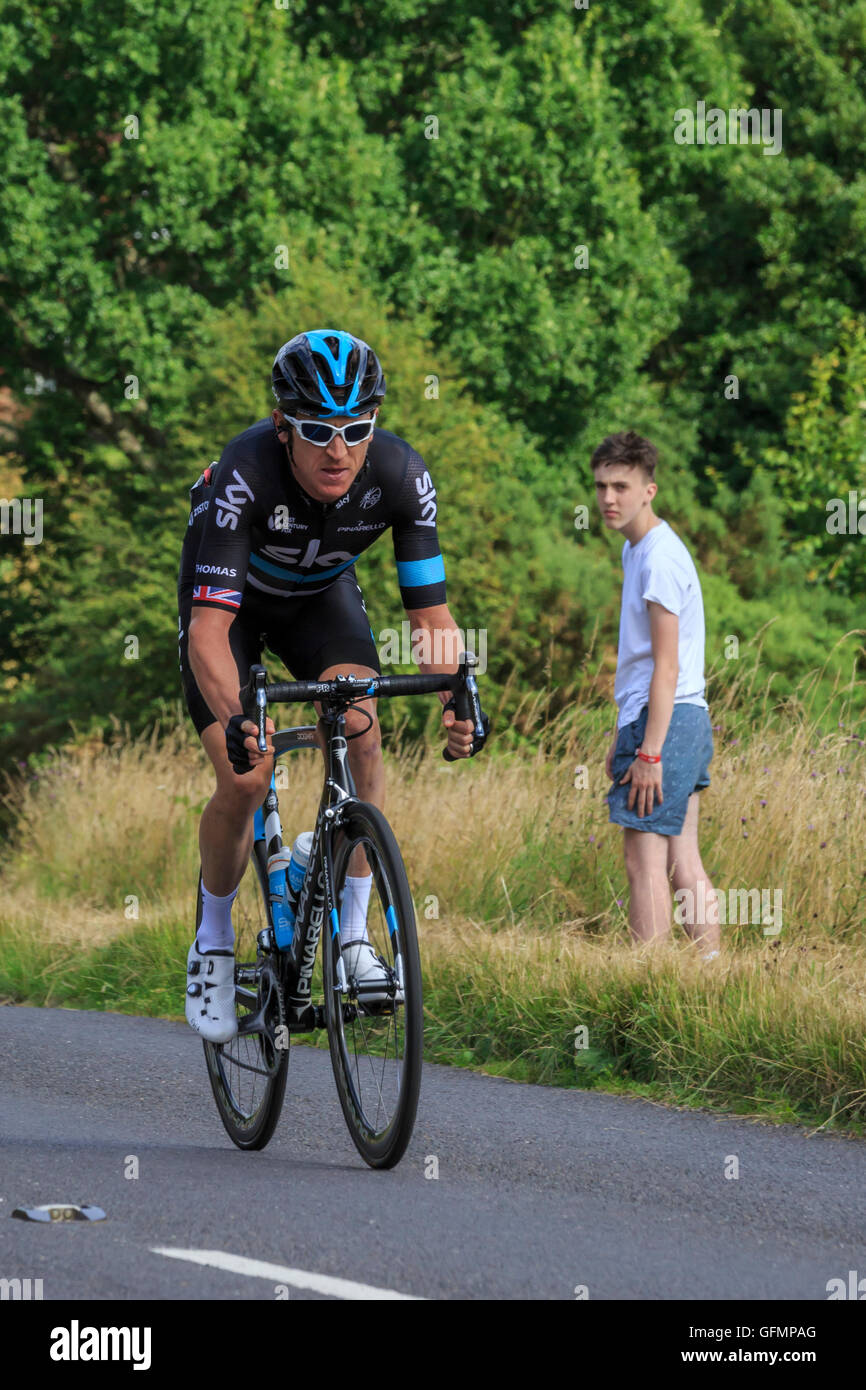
<point x="242" y="745"/>
<point x="460" y="734"/>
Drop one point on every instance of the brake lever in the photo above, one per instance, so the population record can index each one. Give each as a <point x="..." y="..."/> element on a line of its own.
<point x="254" y="702"/>
<point x="466" y="704"/>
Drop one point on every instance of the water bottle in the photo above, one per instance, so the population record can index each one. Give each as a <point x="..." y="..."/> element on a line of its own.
<point x="286" y="870"/>
<point x="298" y="864"/>
<point x="283" y="917"/>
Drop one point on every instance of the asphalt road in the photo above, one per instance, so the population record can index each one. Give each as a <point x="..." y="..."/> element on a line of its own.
<point x="539" y="1192"/>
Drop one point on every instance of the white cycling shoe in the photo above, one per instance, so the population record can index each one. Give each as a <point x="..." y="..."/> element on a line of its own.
<point x="210" y="994"/>
<point x="360" y="960"/>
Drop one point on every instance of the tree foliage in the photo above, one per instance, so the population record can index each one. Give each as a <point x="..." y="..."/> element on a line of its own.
<point x="181" y="195"/>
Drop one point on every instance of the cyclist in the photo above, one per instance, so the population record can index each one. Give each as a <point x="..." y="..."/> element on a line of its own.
<point x="274" y="531"/>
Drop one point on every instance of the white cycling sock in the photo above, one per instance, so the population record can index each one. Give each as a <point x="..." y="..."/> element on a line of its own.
<point x="353" y="915"/>
<point x="216" y="932"/>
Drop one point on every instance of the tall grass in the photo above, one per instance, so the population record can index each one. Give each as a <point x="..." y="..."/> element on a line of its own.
<point x="520" y="895"/>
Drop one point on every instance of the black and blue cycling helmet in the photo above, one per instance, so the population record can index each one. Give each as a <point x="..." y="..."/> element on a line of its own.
<point x="327" y="372"/>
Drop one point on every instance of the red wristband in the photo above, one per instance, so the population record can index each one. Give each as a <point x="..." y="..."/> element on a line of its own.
<point x="646" y="757"/>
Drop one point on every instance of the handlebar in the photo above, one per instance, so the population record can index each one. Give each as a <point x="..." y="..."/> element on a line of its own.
<point x="465" y="702"/>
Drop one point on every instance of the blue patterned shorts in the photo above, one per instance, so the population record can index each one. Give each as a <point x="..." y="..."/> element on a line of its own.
<point x="686" y="755"/>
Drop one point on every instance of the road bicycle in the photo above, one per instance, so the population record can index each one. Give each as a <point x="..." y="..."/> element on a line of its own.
<point x="375" y="1029"/>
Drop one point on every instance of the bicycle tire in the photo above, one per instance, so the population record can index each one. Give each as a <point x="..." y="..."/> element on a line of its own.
<point x="380" y="1147"/>
<point x="250" y="1125"/>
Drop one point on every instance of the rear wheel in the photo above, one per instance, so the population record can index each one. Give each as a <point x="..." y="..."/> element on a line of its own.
<point x="376" y="1043"/>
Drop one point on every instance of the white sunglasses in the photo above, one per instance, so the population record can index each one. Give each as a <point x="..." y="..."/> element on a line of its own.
<point x="317" y="432"/>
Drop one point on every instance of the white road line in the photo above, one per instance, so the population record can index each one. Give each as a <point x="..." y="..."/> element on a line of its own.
<point x="281" y="1274"/>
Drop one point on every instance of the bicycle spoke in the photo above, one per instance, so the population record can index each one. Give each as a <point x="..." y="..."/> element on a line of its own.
<point x="378" y="1089"/>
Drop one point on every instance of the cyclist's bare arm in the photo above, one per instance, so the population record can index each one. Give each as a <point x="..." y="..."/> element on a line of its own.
<point x="443" y="641"/>
<point x="448" y="647"/>
<point x="212" y="662"/>
<point x="215" y="671"/>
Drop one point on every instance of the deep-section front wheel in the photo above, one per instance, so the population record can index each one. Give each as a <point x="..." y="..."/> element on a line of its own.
<point x="248" y="1074"/>
<point x="375" y="1029"/>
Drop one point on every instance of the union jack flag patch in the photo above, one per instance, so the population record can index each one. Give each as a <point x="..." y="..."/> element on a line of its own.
<point x="206" y="593"/>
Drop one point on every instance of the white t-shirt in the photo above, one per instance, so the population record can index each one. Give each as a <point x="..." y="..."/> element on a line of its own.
<point x="660" y="568"/>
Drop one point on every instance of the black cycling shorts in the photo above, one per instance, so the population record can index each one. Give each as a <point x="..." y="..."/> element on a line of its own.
<point x="307" y="634"/>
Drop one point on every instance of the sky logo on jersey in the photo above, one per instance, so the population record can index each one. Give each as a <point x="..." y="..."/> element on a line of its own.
<point x="427" y="497"/>
<point x="229" y="507"/>
<point x="310" y="557"/>
<point x="207" y="593"/>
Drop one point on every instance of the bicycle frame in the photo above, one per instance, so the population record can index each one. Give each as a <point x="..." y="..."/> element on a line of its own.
<point x="315" y="901"/>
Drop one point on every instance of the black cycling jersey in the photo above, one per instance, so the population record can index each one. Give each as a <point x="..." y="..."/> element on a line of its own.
<point x="328" y="629"/>
<point x="255" y="538"/>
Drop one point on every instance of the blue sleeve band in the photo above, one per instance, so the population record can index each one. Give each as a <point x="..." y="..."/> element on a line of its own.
<point x="416" y="574"/>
